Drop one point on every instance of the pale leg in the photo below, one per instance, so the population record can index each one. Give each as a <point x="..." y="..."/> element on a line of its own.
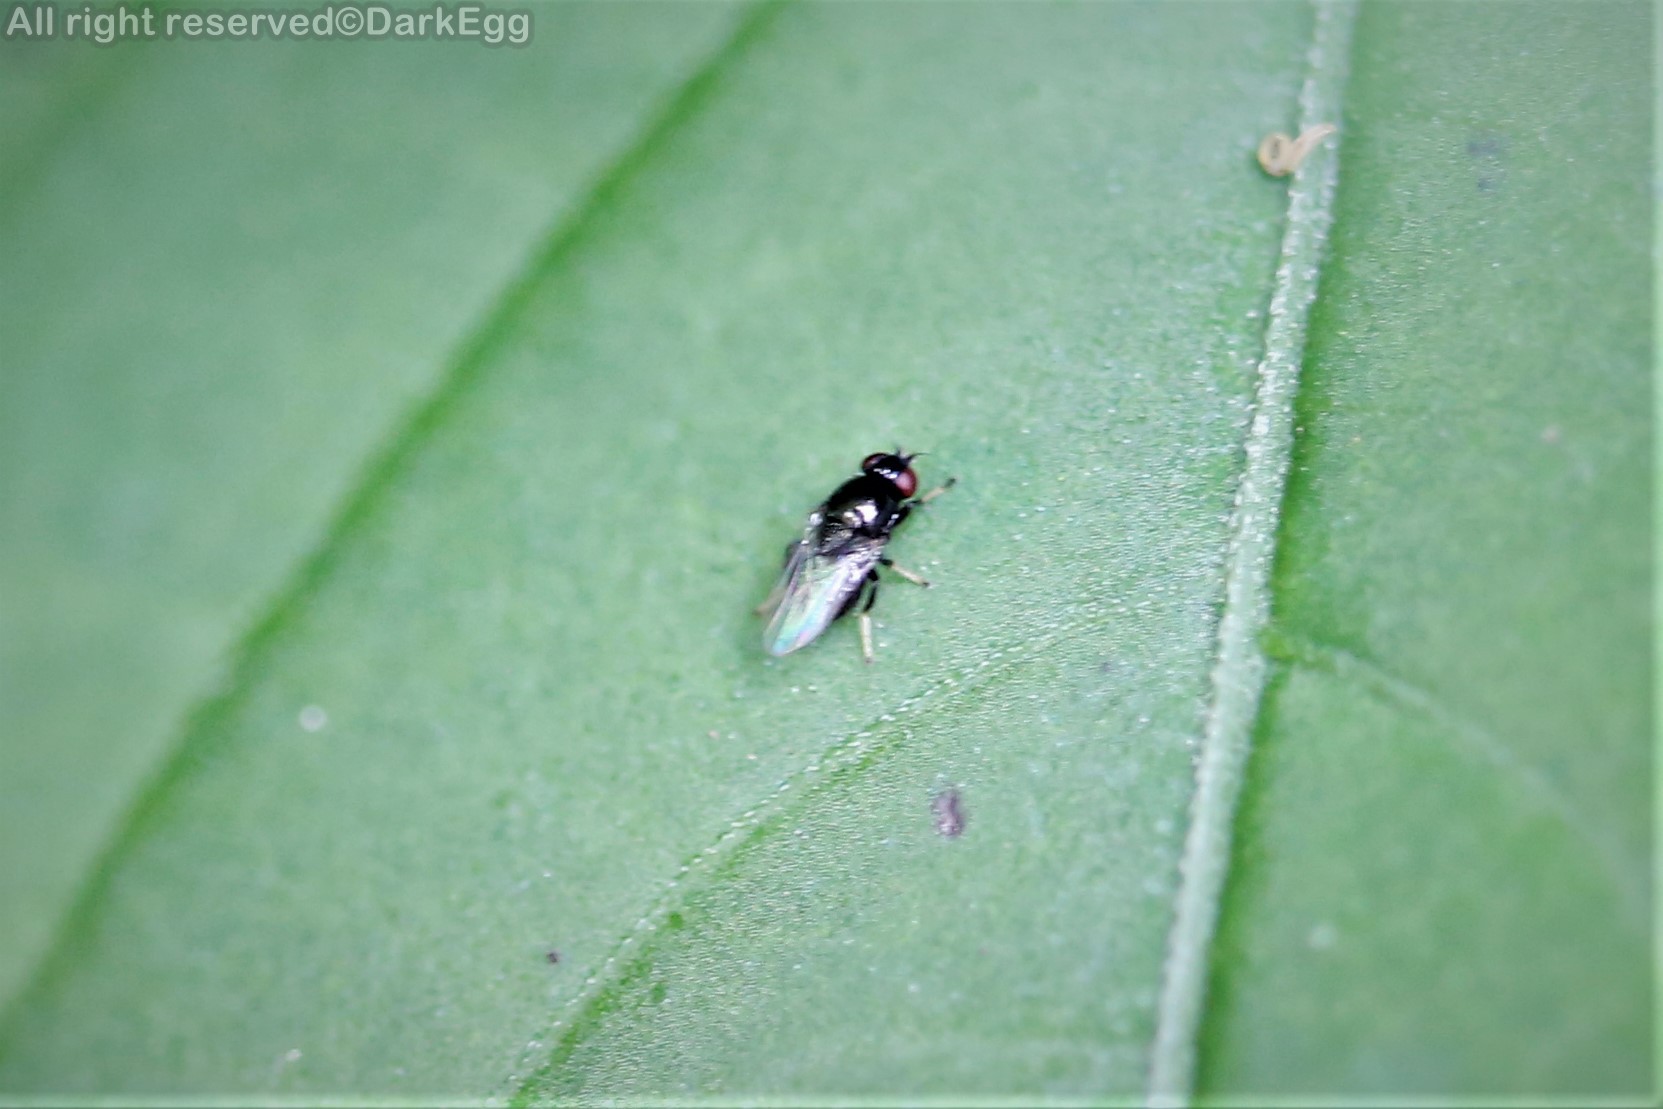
<point x="915" y="579"/>
<point x="937" y="491"/>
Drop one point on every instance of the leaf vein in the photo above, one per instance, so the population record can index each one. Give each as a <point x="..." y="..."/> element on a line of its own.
<point x="851" y="751"/>
<point x="204" y="725"/>
<point x="1239" y="670"/>
<point x="1479" y="741"/>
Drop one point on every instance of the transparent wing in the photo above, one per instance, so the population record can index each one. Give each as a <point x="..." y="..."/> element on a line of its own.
<point x="814" y="588"/>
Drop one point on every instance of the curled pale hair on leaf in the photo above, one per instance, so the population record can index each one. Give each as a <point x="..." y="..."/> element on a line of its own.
<point x="1279" y="155"/>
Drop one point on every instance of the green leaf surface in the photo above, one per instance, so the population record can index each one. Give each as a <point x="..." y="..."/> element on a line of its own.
<point x="1443" y="864"/>
<point x="1029" y="240"/>
<point x="503" y="797"/>
<point x="229" y="271"/>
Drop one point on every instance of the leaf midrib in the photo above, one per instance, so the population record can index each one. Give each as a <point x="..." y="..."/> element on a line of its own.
<point x="1240" y="668"/>
<point x="201" y="724"/>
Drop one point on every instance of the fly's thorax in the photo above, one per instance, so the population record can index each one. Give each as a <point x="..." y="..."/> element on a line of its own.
<point x="865" y="504"/>
<point x="861" y="516"/>
<point x="855" y="520"/>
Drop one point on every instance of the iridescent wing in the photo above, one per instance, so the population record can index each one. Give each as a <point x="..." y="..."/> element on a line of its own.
<point x="814" y="587"/>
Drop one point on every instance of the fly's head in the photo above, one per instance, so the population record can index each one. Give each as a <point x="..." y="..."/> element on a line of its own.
<point x="893" y="468"/>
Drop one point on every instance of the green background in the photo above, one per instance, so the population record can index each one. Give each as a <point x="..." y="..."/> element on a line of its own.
<point x="468" y="396"/>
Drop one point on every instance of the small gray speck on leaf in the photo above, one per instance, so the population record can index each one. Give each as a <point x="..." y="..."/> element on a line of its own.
<point x="948" y="812"/>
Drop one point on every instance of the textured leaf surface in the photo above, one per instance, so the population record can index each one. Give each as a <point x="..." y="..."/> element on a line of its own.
<point x="1443" y="870"/>
<point x="229" y="270"/>
<point x="1032" y="241"/>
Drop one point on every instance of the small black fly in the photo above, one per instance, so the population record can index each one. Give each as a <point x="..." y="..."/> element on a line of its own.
<point x="833" y="569"/>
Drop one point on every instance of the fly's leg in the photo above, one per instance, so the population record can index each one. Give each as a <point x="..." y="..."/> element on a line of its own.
<point x="773" y="600"/>
<point x="916" y="579"/>
<point x="937" y="491"/>
<point x="919" y="502"/>
<point x="901" y="515"/>
<point x="867" y="593"/>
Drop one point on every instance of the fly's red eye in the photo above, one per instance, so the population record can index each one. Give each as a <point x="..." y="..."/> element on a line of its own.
<point x="907" y="483"/>
<point x="869" y="461"/>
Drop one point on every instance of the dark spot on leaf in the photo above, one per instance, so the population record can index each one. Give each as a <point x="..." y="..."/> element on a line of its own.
<point x="553" y="956"/>
<point x="1486" y="146"/>
<point x="948" y="811"/>
<point x="1490" y="152"/>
